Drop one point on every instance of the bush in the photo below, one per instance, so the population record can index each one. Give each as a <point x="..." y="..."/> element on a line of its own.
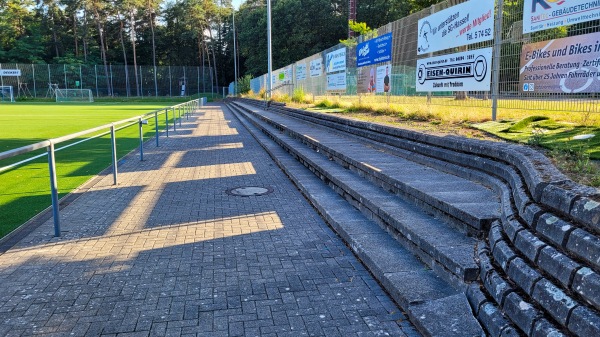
<point x="299" y="96"/>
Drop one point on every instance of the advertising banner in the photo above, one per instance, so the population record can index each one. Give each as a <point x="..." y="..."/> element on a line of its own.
<point x="568" y="65"/>
<point x="336" y="82"/>
<point x="10" y="72"/>
<point x="466" y="23"/>
<point x="336" y="61"/>
<point x="544" y="14"/>
<point x="374" y="79"/>
<point x="300" y="71"/>
<point x="316" y="68"/>
<point x="465" y="71"/>
<point x="376" y="50"/>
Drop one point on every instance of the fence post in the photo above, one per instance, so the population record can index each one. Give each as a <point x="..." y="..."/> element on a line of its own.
<point x="167" y="121"/>
<point x="65" y="73"/>
<point x="96" y="75"/>
<point x="54" y="188"/>
<point x="179" y="113"/>
<point x="496" y="59"/>
<point x="113" y="148"/>
<point x="156" y="126"/>
<point x="141" y="139"/>
<point x="34" y="89"/>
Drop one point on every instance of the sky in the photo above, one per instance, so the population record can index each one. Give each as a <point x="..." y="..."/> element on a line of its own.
<point x="237" y="3"/>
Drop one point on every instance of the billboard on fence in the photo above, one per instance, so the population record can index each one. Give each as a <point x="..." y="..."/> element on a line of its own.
<point x="336" y="61"/>
<point x="466" y="23"/>
<point x="316" y="68"/>
<point x="373" y="51"/>
<point x="374" y="79"/>
<point x="336" y="82"/>
<point x="545" y="14"/>
<point x="568" y="65"/>
<point x="300" y="71"/>
<point x="465" y="71"/>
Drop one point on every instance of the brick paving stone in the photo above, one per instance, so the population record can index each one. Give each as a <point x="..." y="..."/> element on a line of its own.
<point x="169" y="252"/>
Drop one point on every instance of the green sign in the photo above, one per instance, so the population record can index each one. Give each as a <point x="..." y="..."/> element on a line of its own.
<point x="281" y="76"/>
<point x="76" y="83"/>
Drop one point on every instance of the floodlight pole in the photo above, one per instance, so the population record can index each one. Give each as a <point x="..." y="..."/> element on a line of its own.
<point x="270" y="57"/>
<point x="235" y="70"/>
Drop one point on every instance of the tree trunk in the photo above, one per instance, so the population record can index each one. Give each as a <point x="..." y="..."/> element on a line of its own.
<point x="75" y="35"/>
<point x="153" y="49"/>
<point x="214" y="58"/>
<point x="124" y="56"/>
<point x="102" y="48"/>
<point x="135" y="68"/>
<point x="212" y="90"/>
<point x="54" y="37"/>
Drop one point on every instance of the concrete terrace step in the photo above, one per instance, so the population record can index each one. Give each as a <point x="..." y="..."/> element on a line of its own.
<point x="468" y="202"/>
<point x="433" y="306"/>
<point x="440" y="246"/>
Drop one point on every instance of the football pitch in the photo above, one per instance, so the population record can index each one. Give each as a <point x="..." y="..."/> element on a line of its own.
<point x="25" y="190"/>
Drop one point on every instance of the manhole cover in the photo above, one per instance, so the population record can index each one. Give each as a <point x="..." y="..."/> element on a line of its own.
<point x="247" y="191"/>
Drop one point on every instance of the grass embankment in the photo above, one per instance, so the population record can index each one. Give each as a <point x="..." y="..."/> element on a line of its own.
<point x="24" y="191"/>
<point x="528" y="122"/>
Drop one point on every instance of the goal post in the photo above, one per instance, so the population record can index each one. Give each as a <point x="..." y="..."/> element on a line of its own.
<point x="74" y="95"/>
<point x="6" y="93"/>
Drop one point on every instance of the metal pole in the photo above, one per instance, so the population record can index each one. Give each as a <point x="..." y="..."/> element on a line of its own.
<point x="174" y="120"/>
<point x="179" y="112"/>
<point x="496" y="59"/>
<point x="167" y="121"/>
<point x="156" y="126"/>
<point x="270" y="58"/>
<point x="141" y="140"/>
<point x="113" y="148"/>
<point x="170" y="83"/>
<point x="141" y="82"/>
<point x="235" y="70"/>
<point x="65" y="72"/>
<point x="80" y="78"/>
<point x="34" y="90"/>
<point x="54" y="188"/>
<point x="96" y="72"/>
<point x="112" y="87"/>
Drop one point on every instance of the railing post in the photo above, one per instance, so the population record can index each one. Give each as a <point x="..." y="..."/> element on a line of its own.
<point x="113" y="148"/>
<point x="141" y="140"/>
<point x="156" y="126"/>
<point x="54" y="188"/>
<point x="167" y="121"/>
<point x="174" y="120"/>
<point x="179" y="113"/>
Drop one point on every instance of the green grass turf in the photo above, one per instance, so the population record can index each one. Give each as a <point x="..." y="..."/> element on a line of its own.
<point x="25" y="190"/>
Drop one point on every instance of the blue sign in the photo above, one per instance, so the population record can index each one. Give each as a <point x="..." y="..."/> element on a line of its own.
<point x="374" y="51"/>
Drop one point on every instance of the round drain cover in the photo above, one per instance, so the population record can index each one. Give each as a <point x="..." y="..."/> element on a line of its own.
<point x="247" y="191"/>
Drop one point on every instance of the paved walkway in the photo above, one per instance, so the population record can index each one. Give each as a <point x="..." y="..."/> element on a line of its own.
<point x="169" y="252"/>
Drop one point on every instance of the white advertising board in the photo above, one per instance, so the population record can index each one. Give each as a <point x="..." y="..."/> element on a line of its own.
<point x="336" y="82"/>
<point x="300" y="71"/>
<point x="465" y="71"/>
<point x="466" y="23"/>
<point x="10" y="72"/>
<point x="316" y="68"/>
<point x="545" y="14"/>
<point x="336" y="61"/>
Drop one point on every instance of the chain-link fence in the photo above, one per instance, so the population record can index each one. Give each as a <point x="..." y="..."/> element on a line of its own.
<point x="41" y="80"/>
<point x="507" y="90"/>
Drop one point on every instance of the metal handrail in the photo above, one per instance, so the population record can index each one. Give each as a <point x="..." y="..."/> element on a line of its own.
<point x="179" y="110"/>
